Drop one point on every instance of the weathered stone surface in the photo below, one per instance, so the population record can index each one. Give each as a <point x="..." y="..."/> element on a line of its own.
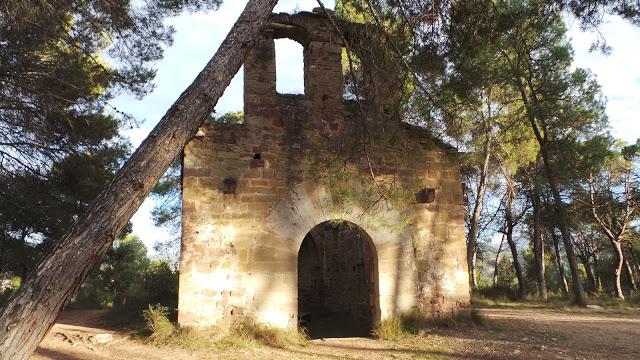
<point x="240" y="250"/>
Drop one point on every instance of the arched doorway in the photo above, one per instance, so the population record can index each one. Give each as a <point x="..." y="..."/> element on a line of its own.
<point x="337" y="281"/>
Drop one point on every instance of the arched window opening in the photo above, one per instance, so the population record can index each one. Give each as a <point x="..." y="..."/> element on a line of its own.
<point x="289" y="67"/>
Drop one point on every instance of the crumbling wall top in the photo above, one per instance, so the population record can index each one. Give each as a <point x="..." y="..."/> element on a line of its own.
<point x="306" y="26"/>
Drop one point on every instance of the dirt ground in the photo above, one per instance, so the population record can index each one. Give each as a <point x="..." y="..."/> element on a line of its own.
<point x="512" y="333"/>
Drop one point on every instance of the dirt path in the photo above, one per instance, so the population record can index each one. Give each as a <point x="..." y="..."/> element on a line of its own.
<point x="508" y="334"/>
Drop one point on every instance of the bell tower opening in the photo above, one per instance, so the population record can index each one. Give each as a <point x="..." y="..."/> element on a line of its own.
<point x="337" y="281"/>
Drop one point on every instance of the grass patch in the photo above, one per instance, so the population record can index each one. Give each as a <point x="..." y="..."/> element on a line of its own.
<point x="416" y="324"/>
<point x="246" y="333"/>
<point x="391" y="329"/>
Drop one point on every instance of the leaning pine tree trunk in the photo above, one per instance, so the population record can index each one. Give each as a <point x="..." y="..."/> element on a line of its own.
<point x="29" y="315"/>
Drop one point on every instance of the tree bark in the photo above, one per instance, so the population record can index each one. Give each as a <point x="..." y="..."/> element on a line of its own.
<point x="3" y="245"/>
<point x="29" y="315"/>
<point x="617" y="274"/>
<point x="538" y="244"/>
<point x="559" y="264"/>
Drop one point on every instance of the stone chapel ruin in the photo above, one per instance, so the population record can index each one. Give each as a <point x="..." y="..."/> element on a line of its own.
<point x="269" y="230"/>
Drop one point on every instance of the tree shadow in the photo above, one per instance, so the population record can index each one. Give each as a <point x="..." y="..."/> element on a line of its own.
<point x="92" y="318"/>
<point x="385" y="352"/>
<point x="57" y="355"/>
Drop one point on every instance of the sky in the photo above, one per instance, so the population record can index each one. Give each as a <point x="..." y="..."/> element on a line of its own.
<point x="198" y="36"/>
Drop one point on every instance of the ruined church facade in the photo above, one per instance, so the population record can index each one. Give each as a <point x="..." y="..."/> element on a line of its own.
<point x="268" y="231"/>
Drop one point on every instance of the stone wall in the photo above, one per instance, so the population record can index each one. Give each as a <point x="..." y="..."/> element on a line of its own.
<point x="253" y="191"/>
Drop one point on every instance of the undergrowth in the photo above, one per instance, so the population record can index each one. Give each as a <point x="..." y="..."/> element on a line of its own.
<point x="416" y="324"/>
<point x="558" y="301"/>
<point x="161" y="331"/>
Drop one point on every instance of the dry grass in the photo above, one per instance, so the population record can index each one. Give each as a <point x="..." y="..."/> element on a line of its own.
<point x="160" y="328"/>
<point x="390" y="329"/>
<point x="243" y="334"/>
<point x="415" y="324"/>
<point x="250" y="331"/>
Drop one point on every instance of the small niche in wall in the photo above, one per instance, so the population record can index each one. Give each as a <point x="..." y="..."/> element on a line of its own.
<point x="426" y="196"/>
<point x="257" y="161"/>
<point x="229" y="185"/>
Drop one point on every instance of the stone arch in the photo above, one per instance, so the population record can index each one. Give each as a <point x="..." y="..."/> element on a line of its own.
<point x="337" y="281"/>
<point x="307" y="204"/>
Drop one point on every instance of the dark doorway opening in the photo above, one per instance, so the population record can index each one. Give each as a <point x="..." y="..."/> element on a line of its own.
<point x="337" y="281"/>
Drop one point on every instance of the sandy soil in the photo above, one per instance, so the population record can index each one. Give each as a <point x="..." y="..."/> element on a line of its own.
<point x="508" y="334"/>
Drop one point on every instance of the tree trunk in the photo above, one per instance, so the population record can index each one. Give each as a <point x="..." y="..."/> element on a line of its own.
<point x="559" y="264"/>
<point x="495" y="268"/>
<point x="618" y="270"/>
<point x="596" y="271"/>
<point x="3" y="246"/>
<point x="578" y="292"/>
<point x="538" y="243"/>
<point x="591" y="281"/>
<point x="509" y="222"/>
<point x="474" y="221"/>
<point x="29" y="315"/>
<point x="516" y="263"/>
<point x="629" y="271"/>
<point x="563" y="219"/>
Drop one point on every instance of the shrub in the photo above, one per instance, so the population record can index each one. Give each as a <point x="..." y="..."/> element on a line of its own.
<point x="160" y="328"/>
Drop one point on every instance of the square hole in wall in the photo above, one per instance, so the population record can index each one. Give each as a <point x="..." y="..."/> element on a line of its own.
<point x="425" y="196"/>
